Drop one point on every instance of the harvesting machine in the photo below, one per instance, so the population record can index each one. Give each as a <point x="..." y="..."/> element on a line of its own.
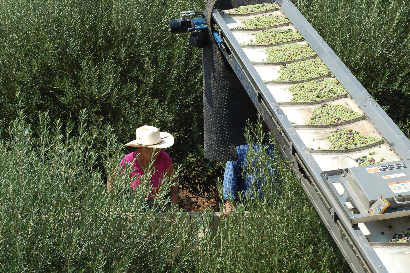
<point x="352" y="159"/>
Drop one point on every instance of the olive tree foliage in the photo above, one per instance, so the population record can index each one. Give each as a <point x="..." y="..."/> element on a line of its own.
<point x="56" y="215"/>
<point x="99" y="69"/>
<point x="115" y="59"/>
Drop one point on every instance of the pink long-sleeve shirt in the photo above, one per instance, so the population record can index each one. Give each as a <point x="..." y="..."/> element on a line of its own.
<point x="161" y="164"/>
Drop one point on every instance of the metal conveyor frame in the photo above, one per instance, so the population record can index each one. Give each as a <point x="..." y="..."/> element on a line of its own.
<point x="352" y="243"/>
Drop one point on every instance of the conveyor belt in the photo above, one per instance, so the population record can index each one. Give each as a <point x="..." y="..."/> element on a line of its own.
<point x="278" y="71"/>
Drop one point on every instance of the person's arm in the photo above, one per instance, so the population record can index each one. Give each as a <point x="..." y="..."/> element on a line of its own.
<point x="170" y="170"/>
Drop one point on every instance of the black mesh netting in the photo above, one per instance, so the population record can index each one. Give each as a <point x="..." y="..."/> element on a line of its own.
<point x="227" y="107"/>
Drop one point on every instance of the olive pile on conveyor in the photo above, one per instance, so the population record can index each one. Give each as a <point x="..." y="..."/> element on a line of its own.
<point x="331" y="124"/>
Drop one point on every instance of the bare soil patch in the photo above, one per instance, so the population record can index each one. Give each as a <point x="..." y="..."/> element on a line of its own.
<point x="196" y="201"/>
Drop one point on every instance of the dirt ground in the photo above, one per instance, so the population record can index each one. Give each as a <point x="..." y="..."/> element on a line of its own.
<point x="195" y="202"/>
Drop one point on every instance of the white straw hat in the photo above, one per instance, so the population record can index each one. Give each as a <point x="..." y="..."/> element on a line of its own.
<point x="151" y="137"/>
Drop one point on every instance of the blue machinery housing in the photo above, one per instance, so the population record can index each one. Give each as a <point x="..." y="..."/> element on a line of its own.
<point x="199" y="24"/>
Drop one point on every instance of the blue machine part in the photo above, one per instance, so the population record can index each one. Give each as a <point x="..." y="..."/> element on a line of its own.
<point x="199" y="24"/>
<point x="218" y="39"/>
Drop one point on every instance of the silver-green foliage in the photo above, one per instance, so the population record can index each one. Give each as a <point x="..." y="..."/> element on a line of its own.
<point x="303" y="70"/>
<point x="263" y="21"/>
<point x="57" y="217"/>
<point x="284" y="222"/>
<point x="112" y="58"/>
<point x="275" y="36"/>
<point x="316" y="90"/>
<point x="253" y="8"/>
<point x="286" y="53"/>
<point x="345" y="139"/>
<point x="328" y="114"/>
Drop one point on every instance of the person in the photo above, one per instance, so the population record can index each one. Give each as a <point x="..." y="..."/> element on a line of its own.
<point x="236" y="185"/>
<point x="227" y="108"/>
<point x="148" y="143"/>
